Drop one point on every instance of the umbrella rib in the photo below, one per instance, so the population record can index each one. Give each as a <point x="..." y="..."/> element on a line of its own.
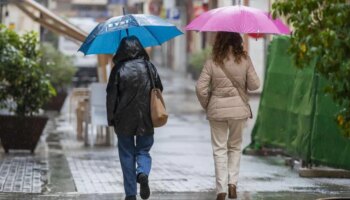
<point x="95" y="44"/>
<point x="120" y="36"/>
<point x="240" y="19"/>
<point x="152" y="35"/>
<point x="137" y="23"/>
<point x="221" y="10"/>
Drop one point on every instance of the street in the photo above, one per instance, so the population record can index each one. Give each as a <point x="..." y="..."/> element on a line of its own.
<point x="183" y="166"/>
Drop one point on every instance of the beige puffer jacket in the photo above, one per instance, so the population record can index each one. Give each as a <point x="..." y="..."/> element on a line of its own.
<point x="216" y="93"/>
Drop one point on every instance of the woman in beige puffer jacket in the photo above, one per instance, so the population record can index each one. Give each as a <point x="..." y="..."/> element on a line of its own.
<point x="226" y="111"/>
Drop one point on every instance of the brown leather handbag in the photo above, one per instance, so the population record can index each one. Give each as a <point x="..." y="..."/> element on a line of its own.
<point x="159" y="115"/>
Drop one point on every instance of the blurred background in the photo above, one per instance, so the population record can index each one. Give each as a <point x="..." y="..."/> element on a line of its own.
<point x="293" y="148"/>
<point x="86" y="14"/>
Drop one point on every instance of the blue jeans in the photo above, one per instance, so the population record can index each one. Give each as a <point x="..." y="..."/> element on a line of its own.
<point x="131" y="154"/>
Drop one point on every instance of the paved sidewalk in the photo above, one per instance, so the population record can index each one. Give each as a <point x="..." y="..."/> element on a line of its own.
<point x="183" y="167"/>
<point x="182" y="157"/>
<point x="172" y="196"/>
<point x="23" y="172"/>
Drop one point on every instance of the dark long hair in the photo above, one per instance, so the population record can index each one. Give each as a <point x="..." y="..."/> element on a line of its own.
<point x="130" y="48"/>
<point x="223" y="42"/>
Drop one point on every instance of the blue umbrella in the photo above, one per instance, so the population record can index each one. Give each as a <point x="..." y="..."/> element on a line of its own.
<point x="149" y="29"/>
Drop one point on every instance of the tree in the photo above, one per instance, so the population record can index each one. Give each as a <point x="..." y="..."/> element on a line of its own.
<point x="322" y="33"/>
<point x="58" y="66"/>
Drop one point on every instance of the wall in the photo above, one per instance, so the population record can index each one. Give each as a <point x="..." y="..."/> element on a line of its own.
<point x="69" y="47"/>
<point x="257" y="49"/>
<point x="19" y="21"/>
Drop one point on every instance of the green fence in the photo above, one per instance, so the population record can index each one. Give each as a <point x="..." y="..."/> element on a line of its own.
<point x="296" y="115"/>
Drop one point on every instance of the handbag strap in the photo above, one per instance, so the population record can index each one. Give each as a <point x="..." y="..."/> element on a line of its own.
<point x="241" y="90"/>
<point x="151" y="77"/>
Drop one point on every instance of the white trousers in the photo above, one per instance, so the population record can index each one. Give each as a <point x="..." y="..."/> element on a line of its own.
<point x="226" y="139"/>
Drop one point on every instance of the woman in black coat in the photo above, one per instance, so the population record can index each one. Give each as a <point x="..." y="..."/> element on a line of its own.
<point x="128" y="110"/>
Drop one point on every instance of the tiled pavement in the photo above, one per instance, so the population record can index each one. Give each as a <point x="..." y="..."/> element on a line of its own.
<point x="96" y="174"/>
<point x="22" y="174"/>
<point x="182" y="156"/>
<point x="183" y="167"/>
<point x="98" y="169"/>
<point x="170" y="196"/>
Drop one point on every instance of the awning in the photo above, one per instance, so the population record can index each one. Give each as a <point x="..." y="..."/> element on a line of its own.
<point x="50" y="20"/>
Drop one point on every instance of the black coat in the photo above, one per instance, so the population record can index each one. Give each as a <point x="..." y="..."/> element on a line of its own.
<point x="128" y="97"/>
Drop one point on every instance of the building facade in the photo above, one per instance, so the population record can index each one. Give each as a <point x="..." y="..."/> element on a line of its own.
<point x="17" y="20"/>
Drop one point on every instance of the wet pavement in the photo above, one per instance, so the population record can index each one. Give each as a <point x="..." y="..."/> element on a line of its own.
<point x="175" y="196"/>
<point x="182" y="159"/>
<point x="21" y="171"/>
<point x="183" y="166"/>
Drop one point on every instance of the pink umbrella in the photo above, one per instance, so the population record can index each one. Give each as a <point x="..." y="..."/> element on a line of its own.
<point x="284" y="29"/>
<point x="239" y="19"/>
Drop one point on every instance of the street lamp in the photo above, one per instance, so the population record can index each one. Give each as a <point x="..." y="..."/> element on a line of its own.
<point x="2" y="4"/>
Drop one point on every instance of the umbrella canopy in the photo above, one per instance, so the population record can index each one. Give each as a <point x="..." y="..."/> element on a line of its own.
<point x="284" y="29"/>
<point x="241" y="19"/>
<point x="149" y="29"/>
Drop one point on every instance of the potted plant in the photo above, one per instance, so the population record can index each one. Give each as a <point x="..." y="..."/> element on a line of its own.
<point x="24" y="88"/>
<point x="61" y="70"/>
<point x="197" y="61"/>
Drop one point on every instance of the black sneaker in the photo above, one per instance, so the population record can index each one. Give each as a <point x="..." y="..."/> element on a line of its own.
<point x="130" y="198"/>
<point x="144" y="187"/>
